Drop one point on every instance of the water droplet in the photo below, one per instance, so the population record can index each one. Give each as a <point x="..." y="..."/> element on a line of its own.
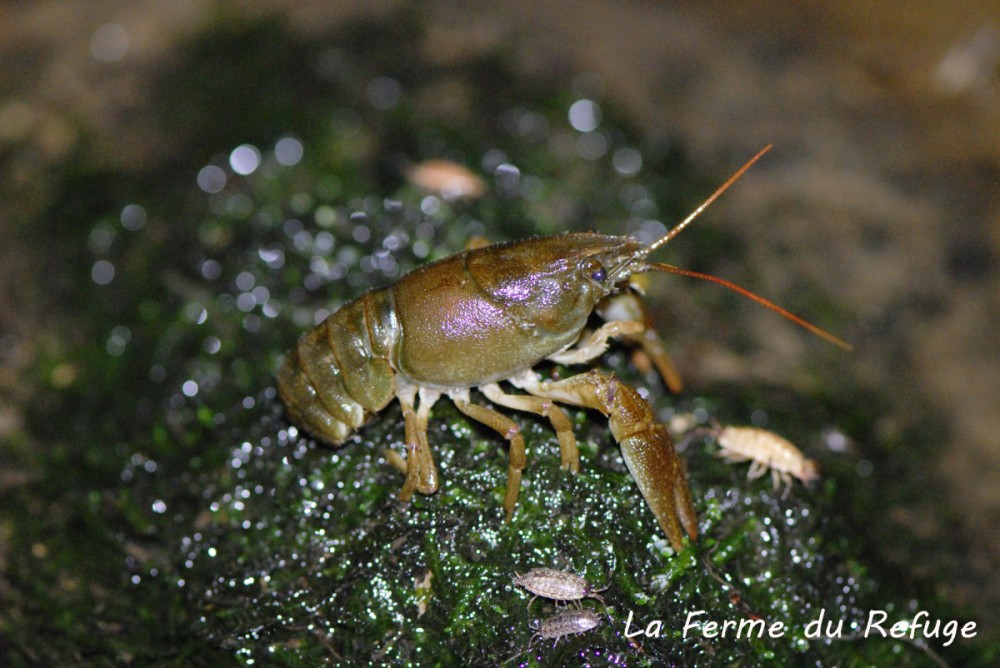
<point x="251" y="323"/>
<point x="325" y="216"/>
<point x="103" y="272"/>
<point x="109" y="43"/>
<point x="273" y="258"/>
<point x="120" y="336"/>
<point x="324" y="242"/>
<point x="211" y="269"/>
<point x="212" y="345"/>
<point x="101" y="237"/>
<point x="211" y="179"/>
<point x="627" y="161"/>
<point x="585" y="115"/>
<point x="651" y="230"/>
<point x="239" y="205"/>
<point x="245" y="302"/>
<point x="288" y="151"/>
<point x="361" y="233"/>
<point x="836" y="441"/>
<point x="507" y="176"/>
<point x="245" y="281"/>
<point x="261" y="295"/>
<point x="430" y="205"/>
<point x="133" y="217"/>
<point x="244" y="159"/>
<point x="592" y="145"/>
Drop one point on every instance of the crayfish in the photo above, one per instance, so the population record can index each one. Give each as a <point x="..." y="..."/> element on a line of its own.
<point x="490" y="315"/>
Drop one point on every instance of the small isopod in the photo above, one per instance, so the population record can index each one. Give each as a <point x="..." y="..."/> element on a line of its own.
<point x="560" y="586"/>
<point x="570" y="622"/>
<point x="452" y="180"/>
<point x="766" y="450"/>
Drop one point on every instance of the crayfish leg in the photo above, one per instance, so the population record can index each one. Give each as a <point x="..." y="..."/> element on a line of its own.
<point x="421" y="471"/>
<point x="652" y="346"/>
<point x="507" y="428"/>
<point x="628" y="307"/>
<point x="596" y="343"/>
<point x="568" y="449"/>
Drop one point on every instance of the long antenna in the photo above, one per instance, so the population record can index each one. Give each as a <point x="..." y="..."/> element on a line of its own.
<point x="821" y="333"/>
<point x="669" y="268"/>
<point x="704" y="205"/>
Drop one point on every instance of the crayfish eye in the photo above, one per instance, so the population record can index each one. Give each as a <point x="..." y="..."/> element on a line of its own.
<point x="594" y="270"/>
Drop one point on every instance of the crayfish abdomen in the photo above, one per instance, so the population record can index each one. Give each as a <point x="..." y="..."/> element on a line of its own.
<point x="338" y="375"/>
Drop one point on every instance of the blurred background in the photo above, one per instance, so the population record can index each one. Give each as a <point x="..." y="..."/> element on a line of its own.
<point x="883" y="188"/>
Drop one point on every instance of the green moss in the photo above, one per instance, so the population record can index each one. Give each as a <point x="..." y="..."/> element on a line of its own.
<point x="334" y="563"/>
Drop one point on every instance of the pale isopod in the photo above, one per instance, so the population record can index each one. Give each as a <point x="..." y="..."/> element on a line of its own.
<point x="570" y="622"/>
<point x="766" y="450"/>
<point x="560" y="586"/>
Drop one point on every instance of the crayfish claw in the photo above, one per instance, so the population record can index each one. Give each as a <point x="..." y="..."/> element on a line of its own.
<point x="646" y="446"/>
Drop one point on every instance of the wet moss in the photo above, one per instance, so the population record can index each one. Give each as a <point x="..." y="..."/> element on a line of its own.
<point x="333" y="567"/>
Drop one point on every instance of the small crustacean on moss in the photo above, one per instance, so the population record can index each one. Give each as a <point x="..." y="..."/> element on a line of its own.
<point x="766" y="450"/>
<point x="560" y="586"/>
<point x="450" y="179"/>
<point x="567" y="623"/>
<point x="490" y="315"/>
